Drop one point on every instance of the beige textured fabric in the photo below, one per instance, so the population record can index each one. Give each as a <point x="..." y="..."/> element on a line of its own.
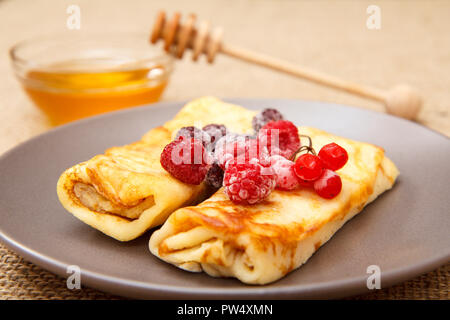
<point x="411" y="46"/>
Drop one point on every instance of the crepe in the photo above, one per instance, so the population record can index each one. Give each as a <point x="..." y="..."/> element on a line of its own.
<point x="261" y="243"/>
<point x="125" y="191"/>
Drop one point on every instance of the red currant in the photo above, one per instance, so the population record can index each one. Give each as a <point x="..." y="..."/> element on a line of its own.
<point x="333" y="156"/>
<point x="305" y="184"/>
<point x="308" y="167"/>
<point x="329" y="185"/>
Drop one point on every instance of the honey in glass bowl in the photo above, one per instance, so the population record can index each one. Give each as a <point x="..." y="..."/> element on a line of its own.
<point x="84" y="76"/>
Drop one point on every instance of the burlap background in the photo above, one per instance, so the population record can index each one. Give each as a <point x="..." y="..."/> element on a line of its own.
<point x="411" y="46"/>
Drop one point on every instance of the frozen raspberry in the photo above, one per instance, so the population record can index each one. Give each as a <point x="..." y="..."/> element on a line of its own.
<point x="264" y="117"/>
<point x="284" y="169"/>
<point x="227" y="148"/>
<point x="254" y="153"/>
<point x="242" y="149"/>
<point x="248" y="183"/>
<point x="275" y="151"/>
<point x="280" y="137"/>
<point x="214" y="177"/>
<point x="186" y="160"/>
<point x="215" y="131"/>
<point x="194" y="132"/>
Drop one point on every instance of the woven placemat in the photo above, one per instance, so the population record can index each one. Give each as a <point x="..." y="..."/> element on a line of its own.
<point x="20" y="279"/>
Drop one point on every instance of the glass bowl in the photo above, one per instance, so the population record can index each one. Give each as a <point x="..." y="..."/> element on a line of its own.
<point x="75" y="76"/>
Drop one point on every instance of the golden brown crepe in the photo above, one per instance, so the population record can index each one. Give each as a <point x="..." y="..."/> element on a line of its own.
<point x="125" y="191"/>
<point x="261" y="243"/>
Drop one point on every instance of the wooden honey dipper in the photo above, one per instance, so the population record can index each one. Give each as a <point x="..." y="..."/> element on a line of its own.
<point x="401" y="100"/>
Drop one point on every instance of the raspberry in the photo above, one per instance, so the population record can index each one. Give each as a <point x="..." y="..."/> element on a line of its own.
<point x="215" y="131"/>
<point x="253" y="152"/>
<point x="284" y="169"/>
<point x="214" y="177"/>
<point x="194" y="132"/>
<point x="264" y="117"/>
<point x="275" y="151"/>
<point x="186" y="160"/>
<point x="242" y="149"/>
<point x="280" y="137"/>
<point x="248" y="183"/>
<point x="228" y="148"/>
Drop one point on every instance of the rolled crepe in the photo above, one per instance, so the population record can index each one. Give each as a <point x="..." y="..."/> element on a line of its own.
<point x="261" y="243"/>
<point x="125" y="191"/>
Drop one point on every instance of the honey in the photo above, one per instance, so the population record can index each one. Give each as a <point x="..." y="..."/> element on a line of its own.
<point x="72" y="90"/>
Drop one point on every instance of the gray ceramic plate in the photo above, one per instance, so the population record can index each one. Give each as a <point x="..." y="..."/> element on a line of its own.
<point x="405" y="232"/>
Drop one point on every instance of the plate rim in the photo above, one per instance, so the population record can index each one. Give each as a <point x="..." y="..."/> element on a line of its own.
<point x="332" y="289"/>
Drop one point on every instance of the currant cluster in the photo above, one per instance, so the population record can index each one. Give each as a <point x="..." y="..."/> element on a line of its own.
<point x="318" y="171"/>
<point x="250" y="167"/>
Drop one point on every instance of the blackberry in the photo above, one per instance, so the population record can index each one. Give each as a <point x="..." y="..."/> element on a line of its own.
<point x="214" y="177"/>
<point x="215" y="131"/>
<point x="194" y="132"/>
<point x="264" y="117"/>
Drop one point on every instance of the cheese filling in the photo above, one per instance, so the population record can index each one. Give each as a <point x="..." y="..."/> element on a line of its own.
<point x="90" y="198"/>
